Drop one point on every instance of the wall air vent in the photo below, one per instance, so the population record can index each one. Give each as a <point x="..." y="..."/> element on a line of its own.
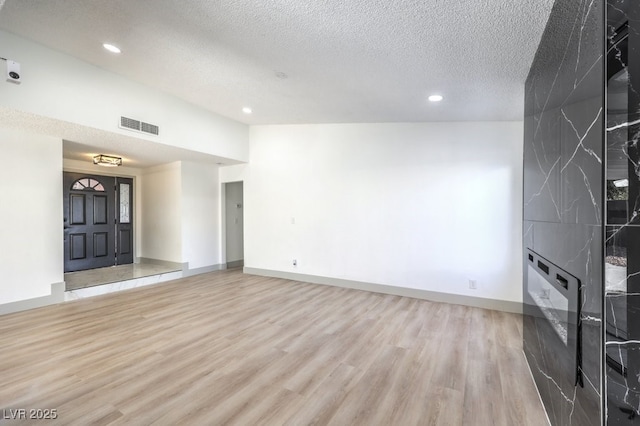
<point x="149" y="128"/>
<point x="139" y="126"/>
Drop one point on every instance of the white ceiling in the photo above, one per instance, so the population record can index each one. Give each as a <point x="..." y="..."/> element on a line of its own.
<point x="344" y="60"/>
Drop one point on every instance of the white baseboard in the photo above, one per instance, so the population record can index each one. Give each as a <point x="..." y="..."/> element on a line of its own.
<point x="176" y="265"/>
<point x="59" y="295"/>
<point x="197" y="271"/>
<point x="434" y="296"/>
<point x="56" y="296"/>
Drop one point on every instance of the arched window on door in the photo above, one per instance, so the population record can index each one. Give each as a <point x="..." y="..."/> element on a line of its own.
<point x="87" y="184"/>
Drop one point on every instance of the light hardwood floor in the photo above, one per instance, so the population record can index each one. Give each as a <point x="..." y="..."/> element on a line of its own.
<point x="229" y="348"/>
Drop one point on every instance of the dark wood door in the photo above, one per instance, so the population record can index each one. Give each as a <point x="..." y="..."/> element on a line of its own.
<point x="98" y="221"/>
<point x="89" y="218"/>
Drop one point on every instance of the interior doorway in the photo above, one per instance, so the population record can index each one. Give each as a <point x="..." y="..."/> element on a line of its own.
<point x="234" y="224"/>
<point x="98" y="221"/>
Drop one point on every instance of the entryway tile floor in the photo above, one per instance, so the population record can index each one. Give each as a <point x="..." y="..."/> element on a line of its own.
<point x="113" y="274"/>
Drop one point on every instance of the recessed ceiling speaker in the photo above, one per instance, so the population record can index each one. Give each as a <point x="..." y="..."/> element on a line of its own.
<point x="13" y="72"/>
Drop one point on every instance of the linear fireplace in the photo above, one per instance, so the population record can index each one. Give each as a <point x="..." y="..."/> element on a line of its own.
<point x="565" y="123"/>
<point x="554" y="295"/>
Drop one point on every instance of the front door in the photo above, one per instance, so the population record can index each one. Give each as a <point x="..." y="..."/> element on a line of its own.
<point x="124" y="221"/>
<point x="97" y="221"/>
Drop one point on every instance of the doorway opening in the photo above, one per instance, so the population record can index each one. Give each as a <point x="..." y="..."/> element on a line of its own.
<point x="234" y="224"/>
<point x="98" y="221"/>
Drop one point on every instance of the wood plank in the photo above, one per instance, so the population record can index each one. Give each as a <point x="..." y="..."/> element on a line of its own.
<point x="230" y="348"/>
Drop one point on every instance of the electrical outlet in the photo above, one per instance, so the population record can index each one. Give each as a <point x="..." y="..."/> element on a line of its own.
<point x="295" y="262"/>
<point x="473" y="284"/>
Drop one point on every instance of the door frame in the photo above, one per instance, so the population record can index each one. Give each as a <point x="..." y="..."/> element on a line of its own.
<point x="223" y="224"/>
<point x="73" y="166"/>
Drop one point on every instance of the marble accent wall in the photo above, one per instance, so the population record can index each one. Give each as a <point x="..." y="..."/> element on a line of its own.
<point x="622" y="238"/>
<point x="563" y="207"/>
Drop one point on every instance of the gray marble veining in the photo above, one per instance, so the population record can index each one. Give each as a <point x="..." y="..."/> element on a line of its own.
<point x="563" y="207"/>
<point x="622" y="238"/>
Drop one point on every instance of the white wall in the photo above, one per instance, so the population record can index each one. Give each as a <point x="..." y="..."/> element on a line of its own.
<point x="233" y="173"/>
<point x="180" y="214"/>
<point x="200" y="215"/>
<point x="31" y="215"/>
<point x="62" y="87"/>
<point x="161" y="215"/>
<point x="426" y="206"/>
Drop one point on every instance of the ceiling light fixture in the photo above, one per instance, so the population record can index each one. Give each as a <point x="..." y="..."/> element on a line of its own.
<point x="621" y="183"/>
<point x="435" y="98"/>
<point x="107" y="160"/>
<point x="247" y="110"/>
<point x="111" y="48"/>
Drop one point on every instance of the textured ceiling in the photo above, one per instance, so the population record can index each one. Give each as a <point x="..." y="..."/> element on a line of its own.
<point x="344" y="60"/>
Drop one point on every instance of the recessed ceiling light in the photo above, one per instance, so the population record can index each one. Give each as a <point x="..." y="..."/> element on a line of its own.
<point x="435" y="98"/>
<point x="111" y="48"/>
<point x="247" y="110"/>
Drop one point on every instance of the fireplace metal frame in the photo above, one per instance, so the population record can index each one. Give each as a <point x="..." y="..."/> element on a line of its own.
<point x="566" y="352"/>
